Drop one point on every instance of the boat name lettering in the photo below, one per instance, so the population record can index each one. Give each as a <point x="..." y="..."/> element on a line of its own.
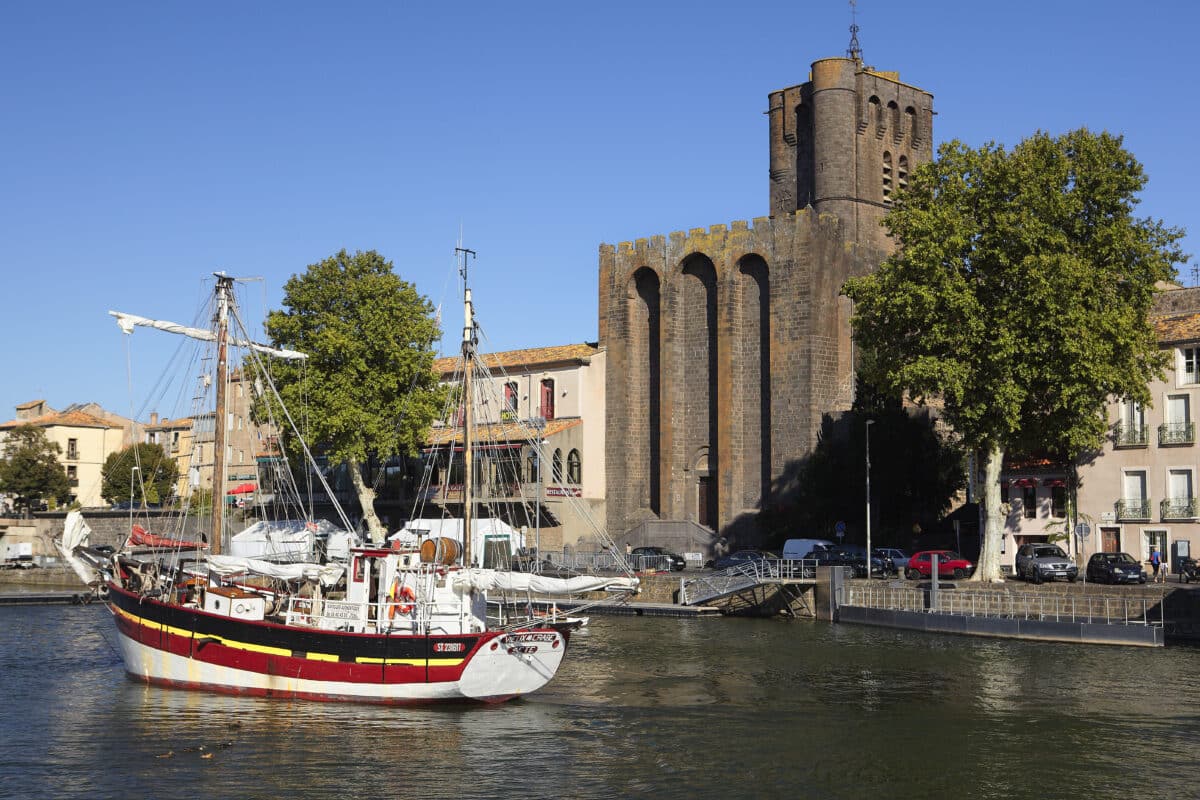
<point x="533" y="637"/>
<point x="337" y="610"/>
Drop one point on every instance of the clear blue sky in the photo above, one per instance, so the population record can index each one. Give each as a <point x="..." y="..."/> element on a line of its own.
<point x="146" y="145"/>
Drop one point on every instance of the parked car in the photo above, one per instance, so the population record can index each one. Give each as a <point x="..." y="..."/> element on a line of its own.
<point x="739" y="557"/>
<point x="800" y="548"/>
<point x="950" y="565"/>
<point x="657" y="558"/>
<point x="1114" y="568"/>
<point x="894" y="560"/>
<point x="846" y="556"/>
<point x="1041" y="561"/>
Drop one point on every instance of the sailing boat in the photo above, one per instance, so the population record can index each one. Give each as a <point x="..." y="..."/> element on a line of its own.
<point x="393" y="625"/>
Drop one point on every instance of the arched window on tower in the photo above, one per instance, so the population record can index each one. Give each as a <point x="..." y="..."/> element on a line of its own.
<point x="875" y="112"/>
<point x="574" y="467"/>
<point x="887" y="178"/>
<point x="894" y="120"/>
<point x="556" y="472"/>
<point x="902" y="173"/>
<point x="914" y="133"/>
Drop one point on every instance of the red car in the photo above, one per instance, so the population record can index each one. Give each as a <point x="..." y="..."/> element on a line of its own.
<point x="950" y="565"/>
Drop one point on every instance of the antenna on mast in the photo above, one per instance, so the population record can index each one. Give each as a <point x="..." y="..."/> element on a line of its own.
<point x="462" y="269"/>
<point x="854" y="51"/>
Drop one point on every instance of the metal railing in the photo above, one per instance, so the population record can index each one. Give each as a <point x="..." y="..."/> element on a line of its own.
<point x="1133" y="508"/>
<point x="1178" y="508"/>
<point x="1009" y="605"/>
<point x="743" y="576"/>
<point x="1170" y="433"/>
<point x="1129" y="435"/>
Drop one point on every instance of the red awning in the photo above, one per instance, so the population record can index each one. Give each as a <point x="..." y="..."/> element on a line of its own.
<point x="1055" y="482"/>
<point x="242" y="488"/>
<point x="1024" y="483"/>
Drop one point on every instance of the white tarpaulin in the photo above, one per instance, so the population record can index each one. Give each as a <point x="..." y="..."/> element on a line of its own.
<point x="327" y="574"/>
<point x="76" y="533"/>
<point x="275" y="540"/>
<point x="482" y="529"/>
<point x="485" y="579"/>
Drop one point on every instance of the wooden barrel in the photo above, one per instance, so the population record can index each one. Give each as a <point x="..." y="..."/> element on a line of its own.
<point x="440" y="550"/>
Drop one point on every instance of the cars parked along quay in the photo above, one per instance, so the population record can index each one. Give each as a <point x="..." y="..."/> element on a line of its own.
<point x="1114" y="568"/>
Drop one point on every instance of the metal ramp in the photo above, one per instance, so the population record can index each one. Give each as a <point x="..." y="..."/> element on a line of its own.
<point x="747" y="586"/>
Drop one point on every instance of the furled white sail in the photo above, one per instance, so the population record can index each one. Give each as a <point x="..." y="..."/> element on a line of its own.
<point x="128" y="321"/>
<point x="327" y="574"/>
<point x="485" y="579"/>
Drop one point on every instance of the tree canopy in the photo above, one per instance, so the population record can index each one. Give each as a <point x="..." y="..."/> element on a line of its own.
<point x="1020" y="295"/>
<point x="30" y="468"/>
<point x="154" y="481"/>
<point x="367" y="388"/>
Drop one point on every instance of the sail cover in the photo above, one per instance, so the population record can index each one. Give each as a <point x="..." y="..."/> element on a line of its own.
<point x="76" y="533"/>
<point x="485" y="579"/>
<point x="128" y="321"/>
<point x="327" y="574"/>
<point x="142" y="538"/>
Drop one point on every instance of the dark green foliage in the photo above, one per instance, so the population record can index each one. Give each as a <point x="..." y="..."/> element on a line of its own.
<point x="30" y="469"/>
<point x="154" y="482"/>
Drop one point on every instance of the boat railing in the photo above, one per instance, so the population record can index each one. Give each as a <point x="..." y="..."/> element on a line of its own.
<point x="1104" y="609"/>
<point x="344" y="615"/>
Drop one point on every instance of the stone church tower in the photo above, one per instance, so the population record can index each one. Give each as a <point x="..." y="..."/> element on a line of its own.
<point x="727" y="345"/>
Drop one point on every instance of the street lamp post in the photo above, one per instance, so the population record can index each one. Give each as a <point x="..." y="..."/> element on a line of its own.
<point x="870" y="422"/>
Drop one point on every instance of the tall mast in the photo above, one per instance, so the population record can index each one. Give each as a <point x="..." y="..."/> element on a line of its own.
<point x="224" y="291"/>
<point x="468" y="351"/>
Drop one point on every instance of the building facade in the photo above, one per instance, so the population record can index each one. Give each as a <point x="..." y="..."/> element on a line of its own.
<point x="727" y="345"/>
<point x="552" y="394"/>
<point x="85" y="434"/>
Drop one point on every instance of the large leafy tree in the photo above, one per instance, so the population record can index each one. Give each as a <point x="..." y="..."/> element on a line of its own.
<point x="153" y="481"/>
<point x="30" y="468"/>
<point x="368" y="386"/>
<point x="1019" y="295"/>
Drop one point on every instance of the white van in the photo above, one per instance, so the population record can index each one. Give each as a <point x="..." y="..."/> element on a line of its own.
<point x="799" y="548"/>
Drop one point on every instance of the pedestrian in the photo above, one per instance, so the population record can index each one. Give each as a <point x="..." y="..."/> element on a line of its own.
<point x="1155" y="563"/>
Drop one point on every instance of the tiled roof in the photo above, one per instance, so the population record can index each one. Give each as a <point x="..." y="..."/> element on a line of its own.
<point x="30" y="404"/>
<point x="1173" y="328"/>
<point x="500" y="431"/>
<point x="67" y="419"/>
<point x="529" y="358"/>
<point x="182" y="422"/>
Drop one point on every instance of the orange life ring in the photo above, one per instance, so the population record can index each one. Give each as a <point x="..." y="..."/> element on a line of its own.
<point x="405" y="593"/>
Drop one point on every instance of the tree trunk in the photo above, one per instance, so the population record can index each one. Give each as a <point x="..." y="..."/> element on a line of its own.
<point x="988" y="568"/>
<point x="366" y="498"/>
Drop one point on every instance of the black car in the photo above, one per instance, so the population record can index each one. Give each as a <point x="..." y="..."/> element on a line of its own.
<point x="855" y="558"/>
<point x="739" y="557"/>
<point x="657" y="558"/>
<point x="1114" y="568"/>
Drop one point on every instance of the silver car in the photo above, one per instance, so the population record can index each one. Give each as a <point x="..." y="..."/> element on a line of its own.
<point x="1038" y="562"/>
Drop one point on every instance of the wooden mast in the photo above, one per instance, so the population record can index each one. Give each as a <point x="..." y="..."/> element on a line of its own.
<point x="224" y="286"/>
<point x="468" y="351"/>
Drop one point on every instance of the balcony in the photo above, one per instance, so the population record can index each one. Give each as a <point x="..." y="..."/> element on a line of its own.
<point x="1127" y="435"/>
<point x="1133" y="508"/>
<point x="1171" y="434"/>
<point x="1178" y="508"/>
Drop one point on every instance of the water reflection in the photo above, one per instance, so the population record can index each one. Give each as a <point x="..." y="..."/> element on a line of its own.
<point x="677" y="708"/>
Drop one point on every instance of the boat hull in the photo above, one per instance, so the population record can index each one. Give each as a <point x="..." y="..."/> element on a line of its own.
<point x="171" y="645"/>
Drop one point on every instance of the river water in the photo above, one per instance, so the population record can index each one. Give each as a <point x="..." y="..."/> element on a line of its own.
<point x="668" y="708"/>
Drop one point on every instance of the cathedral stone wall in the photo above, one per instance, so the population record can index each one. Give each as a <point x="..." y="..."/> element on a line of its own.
<point x="727" y="344"/>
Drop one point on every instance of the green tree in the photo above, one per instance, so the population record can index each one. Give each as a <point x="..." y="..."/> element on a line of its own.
<point x="30" y="468"/>
<point x="1020" y="296"/>
<point x="154" y="481"/>
<point x="367" y="387"/>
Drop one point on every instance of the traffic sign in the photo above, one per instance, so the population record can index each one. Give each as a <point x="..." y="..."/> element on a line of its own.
<point x="840" y="529"/>
<point x="1083" y="530"/>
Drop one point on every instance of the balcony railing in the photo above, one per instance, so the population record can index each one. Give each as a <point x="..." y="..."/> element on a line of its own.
<point x="1174" y="433"/>
<point x="1175" y="508"/>
<point x="1129" y="435"/>
<point x="1133" y="508"/>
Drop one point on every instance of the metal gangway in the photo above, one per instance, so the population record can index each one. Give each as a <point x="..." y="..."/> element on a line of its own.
<point x="747" y="577"/>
